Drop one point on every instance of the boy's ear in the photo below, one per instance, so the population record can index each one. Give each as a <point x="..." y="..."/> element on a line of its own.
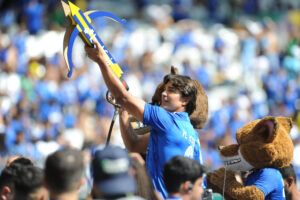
<point x="5" y="192"/>
<point x="185" y="101"/>
<point x="290" y="181"/>
<point x="186" y="186"/>
<point x="44" y="183"/>
<point x="81" y="182"/>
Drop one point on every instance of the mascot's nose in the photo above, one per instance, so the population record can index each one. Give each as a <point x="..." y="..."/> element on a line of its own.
<point x="220" y="147"/>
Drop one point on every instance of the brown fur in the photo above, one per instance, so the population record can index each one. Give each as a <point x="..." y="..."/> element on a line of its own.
<point x="233" y="187"/>
<point x="199" y="116"/>
<point x="263" y="143"/>
<point x="231" y="150"/>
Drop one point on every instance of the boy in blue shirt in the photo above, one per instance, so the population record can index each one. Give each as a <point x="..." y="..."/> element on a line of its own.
<point x="171" y="130"/>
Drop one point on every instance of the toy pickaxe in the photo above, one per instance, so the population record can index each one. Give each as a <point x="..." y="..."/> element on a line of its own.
<point x="80" y="23"/>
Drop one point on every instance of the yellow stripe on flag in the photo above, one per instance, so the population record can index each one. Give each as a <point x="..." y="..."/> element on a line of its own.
<point x="116" y="70"/>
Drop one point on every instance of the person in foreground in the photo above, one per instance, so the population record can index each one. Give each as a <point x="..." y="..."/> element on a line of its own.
<point x="290" y="183"/>
<point x="63" y="174"/>
<point x="111" y="168"/>
<point x="22" y="181"/>
<point x="183" y="178"/>
<point x="171" y="130"/>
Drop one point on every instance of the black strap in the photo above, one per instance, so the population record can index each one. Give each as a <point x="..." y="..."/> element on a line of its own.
<point x="110" y="100"/>
<point x="111" y="126"/>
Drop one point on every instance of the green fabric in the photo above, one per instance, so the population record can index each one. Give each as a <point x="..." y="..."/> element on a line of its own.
<point x="28" y="87"/>
<point x="293" y="42"/>
<point x="217" y="196"/>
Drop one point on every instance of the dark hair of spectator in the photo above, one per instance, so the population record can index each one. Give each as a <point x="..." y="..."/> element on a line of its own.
<point x="63" y="170"/>
<point x="180" y="169"/>
<point x="23" y="180"/>
<point x="8" y="177"/>
<point x="28" y="182"/>
<point x="186" y="87"/>
<point x="2" y="143"/>
<point x="288" y="172"/>
<point x="145" y="188"/>
<point x="22" y="160"/>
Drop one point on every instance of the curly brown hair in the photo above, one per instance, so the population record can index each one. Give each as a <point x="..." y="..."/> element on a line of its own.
<point x="185" y="85"/>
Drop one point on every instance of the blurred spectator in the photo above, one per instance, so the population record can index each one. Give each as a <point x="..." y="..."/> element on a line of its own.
<point x="145" y="188"/>
<point x="29" y="185"/>
<point x="290" y="183"/>
<point x="19" y="181"/>
<point x="63" y="174"/>
<point x="111" y="172"/>
<point x="21" y="146"/>
<point x="183" y="178"/>
<point x="35" y="14"/>
<point x="18" y="159"/>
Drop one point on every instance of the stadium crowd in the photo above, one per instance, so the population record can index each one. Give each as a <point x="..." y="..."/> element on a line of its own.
<point x="246" y="54"/>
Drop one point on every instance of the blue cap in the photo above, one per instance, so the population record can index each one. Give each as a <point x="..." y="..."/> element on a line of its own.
<point x="110" y="171"/>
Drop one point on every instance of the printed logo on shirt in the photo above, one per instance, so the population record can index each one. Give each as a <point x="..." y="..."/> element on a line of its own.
<point x="189" y="152"/>
<point x="184" y="134"/>
<point x="188" y="137"/>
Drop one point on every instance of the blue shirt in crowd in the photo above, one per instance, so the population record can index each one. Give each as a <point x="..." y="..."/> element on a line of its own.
<point x="269" y="181"/>
<point x="172" y="134"/>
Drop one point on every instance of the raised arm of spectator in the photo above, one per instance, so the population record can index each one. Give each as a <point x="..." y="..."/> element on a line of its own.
<point x="132" y="104"/>
<point x="132" y="141"/>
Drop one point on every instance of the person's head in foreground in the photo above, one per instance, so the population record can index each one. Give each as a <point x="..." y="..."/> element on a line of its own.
<point x="63" y="174"/>
<point x="290" y="182"/>
<point x="183" y="178"/>
<point x="24" y="182"/>
<point x="112" y="179"/>
<point x="18" y="159"/>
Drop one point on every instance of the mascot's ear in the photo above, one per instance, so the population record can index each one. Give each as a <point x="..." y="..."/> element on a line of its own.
<point x="266" y="129"/>
<point x="174" y="70"/>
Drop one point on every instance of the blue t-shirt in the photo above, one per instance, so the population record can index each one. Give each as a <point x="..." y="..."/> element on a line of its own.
<point x="172" y="134"/>
<point x="268" y="180"/>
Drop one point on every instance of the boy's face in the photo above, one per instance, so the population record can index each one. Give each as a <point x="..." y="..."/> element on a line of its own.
<point x="287" y="189"/>
<point x="197" y="190"/>
<point x="171" y="99"/>
<point x="40" y="194"/>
